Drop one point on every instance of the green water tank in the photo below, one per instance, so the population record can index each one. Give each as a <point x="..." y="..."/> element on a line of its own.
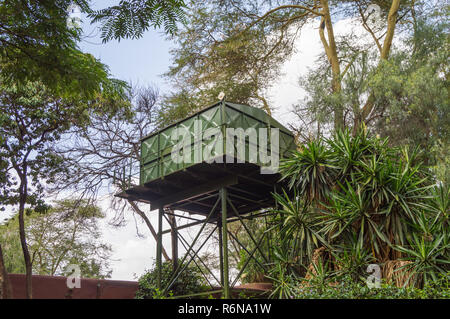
<point x="208" y="132"/>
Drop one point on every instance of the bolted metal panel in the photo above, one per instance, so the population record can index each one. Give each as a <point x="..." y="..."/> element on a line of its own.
<point x="210" y="117"/>
<point x="156" y="161"/>
<point x="150" y="171"/>
<point x="149" y="149"/>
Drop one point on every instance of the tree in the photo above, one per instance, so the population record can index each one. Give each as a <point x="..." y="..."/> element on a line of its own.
<point x="410" y="93"/>
<point x="32" y="120"/>
<point x="209" y="60"/>
<point x="66" y="234"/>
<point x="244" y="56"/>
<point x="39" y="49"/>
<point x="414" y="110"/>
<point x="37" y="45"/>
<point x="130" y="19"/>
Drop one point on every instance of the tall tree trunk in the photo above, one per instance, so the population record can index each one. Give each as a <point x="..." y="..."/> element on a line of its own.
<point x="5" y="285"/>
<point x="329" y="44"/>
<point x="26" y="254"/>
<point x="367" y="109"/>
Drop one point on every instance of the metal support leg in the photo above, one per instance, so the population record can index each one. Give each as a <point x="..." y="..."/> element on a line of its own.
<point x="226" y="285"/>
<point x="219" y="228"/>
<point x="174" y="238"/>
<point x="181" y="264"/>
<point x="159" y="249"/>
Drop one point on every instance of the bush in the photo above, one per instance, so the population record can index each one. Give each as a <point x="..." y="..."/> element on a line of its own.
<point x="350" y="289"/>
<point x="190" y="281"/>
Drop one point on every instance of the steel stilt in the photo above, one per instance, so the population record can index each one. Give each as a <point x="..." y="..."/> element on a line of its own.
<point x="226" y="284"/>
<point x="159" y="249"/>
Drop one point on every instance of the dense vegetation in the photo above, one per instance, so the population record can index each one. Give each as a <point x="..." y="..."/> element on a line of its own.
<point x="368" y="185"/>
<point x="349" y="289"/>
<point x="357" y="202"/>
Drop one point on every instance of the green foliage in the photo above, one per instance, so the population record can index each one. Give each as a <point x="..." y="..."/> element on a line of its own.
<point x="189" y="281"/>
<point x="310" y="170"/>
<point x="216" y="52"/>
<point x="413" y="91"/>
<point x="240" y="46"/>
<point x="130" y="19"/>
<point x="33" y="120"/>
<point x="381" y="205"/>
<point x="66" y="233"/>
<point x="348" y="288"/>
<point x="410" y="89"/>
<point x="429" y="258"/>
<point x="328" y="284"/>
<point x="176" y="107"/>
<point x="441" y="204"/>
<point x="319" y="276"/>
<point x="284" y="284"/>
<point x="37" y="45"/>
<point x="297" y="234"/>
<point x="352" y="259"/>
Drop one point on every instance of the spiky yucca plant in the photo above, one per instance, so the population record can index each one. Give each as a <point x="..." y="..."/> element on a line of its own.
<point x="350" y="187"/>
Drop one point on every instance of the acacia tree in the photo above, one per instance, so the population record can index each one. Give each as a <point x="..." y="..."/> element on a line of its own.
<point x="229" y="44"/>
<point x="217" y="52"/>
<point x="410" y="92"/>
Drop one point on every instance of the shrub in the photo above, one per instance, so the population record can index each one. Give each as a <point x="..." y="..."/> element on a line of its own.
<point x="189" y="281"/>
<point x="348" y="288"/>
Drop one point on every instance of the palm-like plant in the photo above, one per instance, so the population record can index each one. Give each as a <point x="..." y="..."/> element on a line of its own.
<point x="319" y="275"/>
<point x="427" y="259"/>
<point x="311" y="171"/>
<point x="352" y="258"/>
<point x="408" y="193"/>
<point x="372" y="203"/>
<point x="334" y="218"/>
<point x="441" y="204"/>
<point x="297" y="229"/>
<point x="361" y="218"/>
<point x="283" y="283"/>
<point x="348" y="151"/>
